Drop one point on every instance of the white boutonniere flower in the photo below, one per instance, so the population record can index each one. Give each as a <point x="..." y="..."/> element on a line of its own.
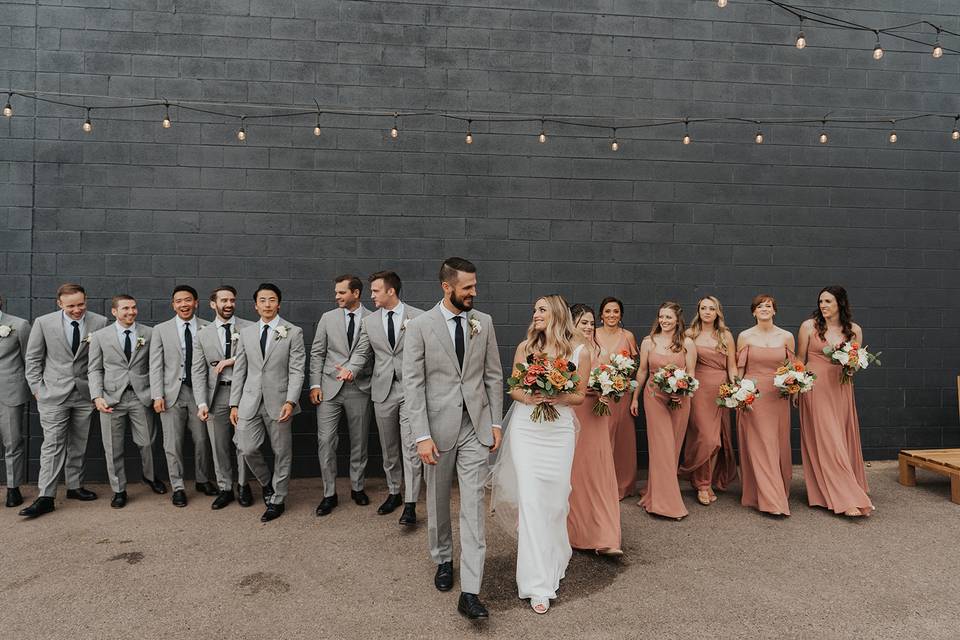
<point x="234" y="337"/>
<point x="404" y="324"/>
<point x="5" y="330"/>
<point x="281" y="332"/>
<point x="140" y="342"/>
<point x="88" y="338"/>
<point x="474" y="325"/>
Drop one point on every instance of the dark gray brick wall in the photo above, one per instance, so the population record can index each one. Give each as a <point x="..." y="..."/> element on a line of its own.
<point x="137" y="208"/>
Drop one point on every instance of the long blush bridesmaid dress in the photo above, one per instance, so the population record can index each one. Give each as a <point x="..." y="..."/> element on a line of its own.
<point x="708" y="452"/>
<point x="764" y="432"/>
<point x="623" y="432"/>
<point x="594" y="518"/>
<point x="830" y="439"/>
<point x="665" y="430"/>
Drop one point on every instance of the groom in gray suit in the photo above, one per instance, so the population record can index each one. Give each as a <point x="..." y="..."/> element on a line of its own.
<point x="334" y="343"/>
<point x="14" y="396"/>
<point x="119" y="373"/>
<point x="381" y="340"/>
<point x="453" y="395"/>
<point x="265" y="394"/>
<point x="56" y="370"/>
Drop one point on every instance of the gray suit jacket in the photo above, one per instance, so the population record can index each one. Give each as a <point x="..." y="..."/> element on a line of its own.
<point x="274" y="380"/>
<point x="373" y="344"/>
<point x="111" y="374"/>
<point x="51" y="369"/>
<point x="436" y="390"/>
<point x="166" y="358"/>
<point x="330" y="349"/>
<point x="209" y="348"/>
<point x="13" y="385"/>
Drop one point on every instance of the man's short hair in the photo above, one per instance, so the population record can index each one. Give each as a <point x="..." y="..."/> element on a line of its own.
<point x="70" y="288"/>
<point x="355" y="283"/>
<point x="390" y="280"/>
<point x="185" y="288"/>
<point x="120" y="297"/>
<point x="267" y="286"/>
<point x="223" y="287"/>
<point x="452" y="266"/>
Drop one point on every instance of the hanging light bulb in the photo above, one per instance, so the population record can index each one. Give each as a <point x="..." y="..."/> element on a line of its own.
<point x="7" y="108"/>
<point x="614" y="144"/>
<point x="759" y="137"/>
<point x="937" y="49"/>
<point x="877" y="50"/>
<point x="241" y="132"/>
<point x="721" y="3"/>
<point x="316" y="129"/>
<point x="543" y="134"/>
<point x="87" y="125"/>
<point x="686" y="132"/>
<point x="801" y="39"/>
<point x="955" y="134"/>
<point x="824" y="138"/>
<point x="167" y="123"/>
<point x="893" y="132"/>
<point x="395" y="132"/>
<point x="469" y="137"/>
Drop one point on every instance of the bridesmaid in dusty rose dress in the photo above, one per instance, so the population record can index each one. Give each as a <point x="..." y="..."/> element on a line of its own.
<point x="666" y="427"/>
<point x="594" y="519"/>
<point x="764" y="433"/>
<point x="613" y="338"/>
<point x="829" y="427"/>
<point x="708" y="452"/>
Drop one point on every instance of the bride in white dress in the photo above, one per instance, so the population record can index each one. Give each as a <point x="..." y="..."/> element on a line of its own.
<point x="533" y="468"/>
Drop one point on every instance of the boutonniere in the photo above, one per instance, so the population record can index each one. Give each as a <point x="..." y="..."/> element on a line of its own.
<point x="474" y="325"/>
<point x="5" y="330"/>
<point x="403" y="325"/>
<point x="88" y="338"/>
<point x="281" y="332"/>
<point x="234" y="336"/>
<point x="140" y="342"/>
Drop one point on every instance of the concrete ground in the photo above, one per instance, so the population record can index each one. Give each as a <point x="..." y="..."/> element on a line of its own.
<point x="155" y="571"/>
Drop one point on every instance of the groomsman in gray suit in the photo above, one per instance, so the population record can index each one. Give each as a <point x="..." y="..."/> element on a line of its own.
<point x="119" y="373"/>
<point x="171" y="381"/>
<point x="14" y="396"/>
<point x="213" y="379"/>
<point x="336" y="339"/>
<point x="265" y="395"/>
<point x="56" y="370"/>
<point x="381" y="339"/>
<point x="453" y="395"/>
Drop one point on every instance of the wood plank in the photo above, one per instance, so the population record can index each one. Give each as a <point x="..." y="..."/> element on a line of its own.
<point x="908" y="475"/>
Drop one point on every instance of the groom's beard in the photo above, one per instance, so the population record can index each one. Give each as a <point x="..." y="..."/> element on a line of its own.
<point x="464" y="304"/>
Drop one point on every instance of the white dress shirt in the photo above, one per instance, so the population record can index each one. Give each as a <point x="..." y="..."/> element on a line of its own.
<point x="397" y="319"/>
<point x="271" y="335"/>
<point x="193" y="334"/>
<point x="68" y="327"/>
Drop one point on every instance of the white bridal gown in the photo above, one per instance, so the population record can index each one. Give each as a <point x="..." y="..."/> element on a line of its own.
<point x="533" y="472"/>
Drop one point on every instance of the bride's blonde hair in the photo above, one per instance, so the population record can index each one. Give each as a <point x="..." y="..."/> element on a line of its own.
<point x="719" y="325"/>
<point x="559" y="332"/>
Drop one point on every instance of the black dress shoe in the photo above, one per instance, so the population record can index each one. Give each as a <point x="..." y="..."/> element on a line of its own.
<point x="81" y="494"/>
<point x="409" y="516"/>
<point x="360" y="497"/>
<point x="393" y="501"/>
<point x="244" y="495"/>
<point x="14" y="499"/>
<point x="39" y="507"/>
<point x="179" y="498"/>
<point x="443" y="581"/>
<point x="207" y="488"/>
<point x="156" y="486"/>
<point x="268" y="492"/>
<point x="326" y="505"/>
<point x="225" y="498"/>
<point x="470" y="606"/>
<point x="273" y="512"/>
<point x="119" y="500"/>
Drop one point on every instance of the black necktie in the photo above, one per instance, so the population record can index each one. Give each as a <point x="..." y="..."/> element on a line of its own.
<point x="391" y="336"/>
<point x="187" y="354"/>
<point x="263" y="340"/>
<point x="75" y="341"/>
<point x="350" y="328"/>
<point x="127" y="347"/>
<point x="458" y="339"/>
<point x="227" y="341"/>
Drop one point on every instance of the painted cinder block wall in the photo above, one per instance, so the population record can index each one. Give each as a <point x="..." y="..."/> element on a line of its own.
<point x="136" y="208"/>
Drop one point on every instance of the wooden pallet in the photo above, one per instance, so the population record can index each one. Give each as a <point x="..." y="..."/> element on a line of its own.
<point x="943" y="461"/>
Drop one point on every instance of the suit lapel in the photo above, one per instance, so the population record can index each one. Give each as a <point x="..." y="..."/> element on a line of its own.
<point x="471" y="340"/>
<point x="443" y="337"/>
<point x="253" y="350"/>
<point x="275" y="339"/>
<point x="114" y="344"/>
<point x="375" y="329"/>
<point x="58" y="330"/>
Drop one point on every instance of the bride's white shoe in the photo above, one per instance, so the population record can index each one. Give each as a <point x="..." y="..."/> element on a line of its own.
<point x="540" y="605"/>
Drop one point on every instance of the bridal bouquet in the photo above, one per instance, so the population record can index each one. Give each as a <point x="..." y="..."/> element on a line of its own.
<point x="851" y="357"/>
<point x="674" y="381"/>
<point x="739" y="394"/>
<point x="547" y="377"/>
<point x="612" y="381"/>
<point x="792" y="378"/>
